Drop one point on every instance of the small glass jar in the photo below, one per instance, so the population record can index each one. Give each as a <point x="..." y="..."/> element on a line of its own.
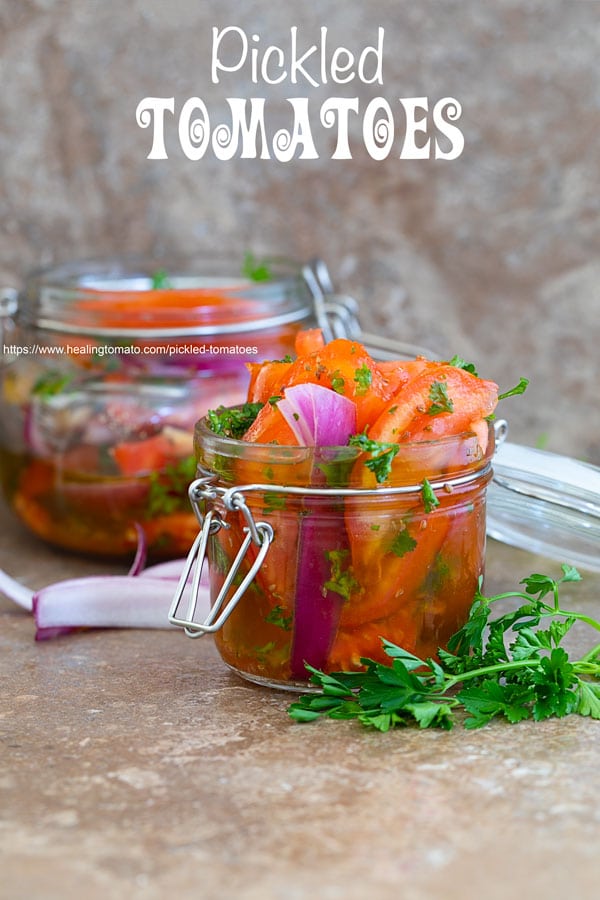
<point x="312" y="561"/>
<point x="105" y="369"/>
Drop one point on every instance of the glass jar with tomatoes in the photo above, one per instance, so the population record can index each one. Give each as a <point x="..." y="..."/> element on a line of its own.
<point x="312" y="561"/>
<point x="106" y="366"/>
<point x="343" y="504"/>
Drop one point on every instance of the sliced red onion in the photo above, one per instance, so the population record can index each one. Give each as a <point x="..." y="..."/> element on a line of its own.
<point x="318" y="416"/>
<point x="139" y="560"/>
<point x="171" y="570"/>
<point x="316" y="609"/>
<point x="16" y="591"/>
<point x="113" y="601"/>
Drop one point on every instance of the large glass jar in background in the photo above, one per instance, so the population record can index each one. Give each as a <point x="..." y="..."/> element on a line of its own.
<point x="307" y="565"/>
<point x="105" y="369"/>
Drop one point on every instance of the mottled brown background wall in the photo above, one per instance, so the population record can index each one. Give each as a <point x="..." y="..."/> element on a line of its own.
<point x="494" y="255"/>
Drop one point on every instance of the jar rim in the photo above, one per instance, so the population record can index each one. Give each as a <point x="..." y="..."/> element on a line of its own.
<point x="124" y="297"/>
<point x="441" y="458"/>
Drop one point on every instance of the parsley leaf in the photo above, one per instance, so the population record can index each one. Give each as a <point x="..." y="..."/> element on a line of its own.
<point x="234" y="421"/>
<point x="533" y="678"/>
<point x="363" y="378"/>
<point x="337" y="382"/>
<point x="256" y="270"/>
<point x="430" y="501"/>
<point x="382" y="455"/>
<point x="519" y="388"/>
<point x="276" y="616"/>
<point x="341" y="580"/>
<point x="403" y="543"/>
<point x="589" y="699"/>
<point x="51" y="383"/>
<point x="167" y="492"/>
<point x="160" y="280"/>
<point x="460" y="363"/>
<point x="440" y="401"/>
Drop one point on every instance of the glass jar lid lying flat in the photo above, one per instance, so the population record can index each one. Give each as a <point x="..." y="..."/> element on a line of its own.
<point x="545" y="503"/>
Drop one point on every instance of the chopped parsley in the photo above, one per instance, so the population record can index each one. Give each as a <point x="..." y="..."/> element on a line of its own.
<point x="51" y="383"/>
<point x="382" y="455"/>
<point x="337" y="382"/>
<point x="430" y="501"/>
<point x="256" y="270"/>
<point x="160" y="280"/>
<point x="233" y="422"/>
<point x="460" y="363"/>
<point x="273" y="500"/>
<point x="403" y="543"/>
<point x="341" y="580"/>
<point x="440" y="401"/>
<point x="363" y="378"/>
<point x="276" y="616"/>
<point x="167" y="492"/>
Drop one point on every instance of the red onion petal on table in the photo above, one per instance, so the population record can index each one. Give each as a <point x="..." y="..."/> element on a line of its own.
<point x="113" y="601"/>
<point x="16" y="591"/>
<point x="141" y="599"/>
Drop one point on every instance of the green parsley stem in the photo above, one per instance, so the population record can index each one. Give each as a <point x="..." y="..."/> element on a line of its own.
<point x="581" y="617"/>
<point x="488" y="670"/>
<point x="507" y="595"/>
<point x="552" y="610"/>
<point x="585" y="667"/>
<point x="590" y="655"/>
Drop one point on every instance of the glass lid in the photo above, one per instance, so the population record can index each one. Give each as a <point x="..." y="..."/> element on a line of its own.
<point x="545" y="503"/>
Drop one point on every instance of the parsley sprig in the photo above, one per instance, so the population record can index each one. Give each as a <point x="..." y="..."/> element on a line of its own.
<point x="519" y="388"/>
<point x="256" y="269"/>
<point x="382" y="455"/>
<point x="440" y="401"/>
<point x="512" y="667"/>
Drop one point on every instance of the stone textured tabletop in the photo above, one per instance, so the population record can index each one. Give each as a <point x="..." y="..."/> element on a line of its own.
<point x="134" y="764"/>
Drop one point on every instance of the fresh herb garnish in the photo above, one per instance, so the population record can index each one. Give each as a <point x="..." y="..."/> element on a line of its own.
<point x="160" y="280"/>
<point x="341" y="580"/>
<point x="440" y="401"/>
<point x="233" y="422"/>
<point x="167" y="491"/>
<point x="276" y="616"/>
<point x="510" y="667"/>
<point x="337" y="382"/>
<point x="519" y="388"/>
<point x="382" y="455"/>
<point x="460" y="363"/>
<point x="403" y="543"/>
<point x="430" y="501"/>
<point x="363" y="378"/>
<point x="256" y="270"/>
<point x="273" y="501"/>
<point x="51" y="383"/>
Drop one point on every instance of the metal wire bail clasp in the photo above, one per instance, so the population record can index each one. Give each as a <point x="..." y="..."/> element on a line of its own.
<point x="258" y="533"/>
